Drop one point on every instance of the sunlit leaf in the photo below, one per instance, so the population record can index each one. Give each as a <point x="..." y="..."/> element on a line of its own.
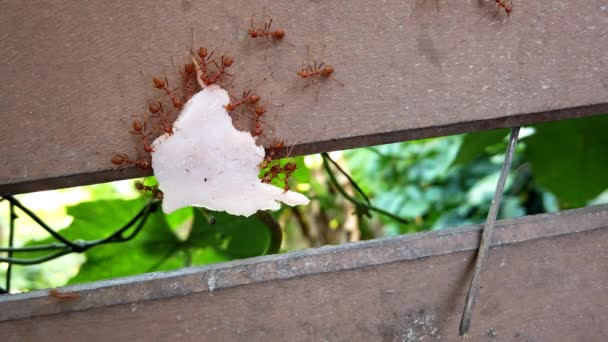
<point x="570" y="158"/>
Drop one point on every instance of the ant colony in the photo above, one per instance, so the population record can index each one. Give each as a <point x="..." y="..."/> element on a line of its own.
<point x="198" y="156"/>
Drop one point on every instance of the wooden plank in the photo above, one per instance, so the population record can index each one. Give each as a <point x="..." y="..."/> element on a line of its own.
<point x="71" y="80"/>
<point x="546" y="280"/>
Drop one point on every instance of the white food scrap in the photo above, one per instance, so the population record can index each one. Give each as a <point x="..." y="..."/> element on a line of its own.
<point x="208" y="163"/>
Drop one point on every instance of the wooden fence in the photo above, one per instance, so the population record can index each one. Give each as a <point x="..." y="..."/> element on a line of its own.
<point x="411" y="69"/>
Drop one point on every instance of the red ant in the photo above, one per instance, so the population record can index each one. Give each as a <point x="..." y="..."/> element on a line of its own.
<point x="226" y="62"/>
<point x="265" y="31"/>
<point x="205" y="59"/>
<point x="258" y="111"/>
<point x="188" y="73"/>
<point x="316" y="72"/>
<point x="202" y="68"/>
<point x="164" y="125"/>
<point x="63" y="296"/>
<point x="161" y="84"/>
<point x="272" y="152"/>
<point x="275" y="170"/>
<point x="122" y="159"/>
<point x="245" y="98"/>
<point x="156" y="193"/>
<point x="139" y="128"/>
<point x="288" y="170"/>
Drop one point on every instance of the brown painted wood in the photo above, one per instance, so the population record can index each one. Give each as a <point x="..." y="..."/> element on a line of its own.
<point x="71" y="80"/>
<point x="546" y="280"/>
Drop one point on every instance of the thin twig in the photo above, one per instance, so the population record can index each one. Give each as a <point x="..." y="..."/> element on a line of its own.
<point x="276" y="232"/>
<point x="325" y="155"/>
<point x="41" y="223"/>
<point x="360" y="206"/>
<point x="304" y="228"/>
<point x="486" y="238"/>
<point x="68" y="246"/>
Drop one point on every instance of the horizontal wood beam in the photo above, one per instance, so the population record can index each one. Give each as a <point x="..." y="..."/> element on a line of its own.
<point x="411" y="69"/>
<point x="545" y="280"/>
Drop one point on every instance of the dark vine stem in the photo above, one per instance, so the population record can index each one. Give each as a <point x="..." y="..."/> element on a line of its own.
<point x="365" y="207"/>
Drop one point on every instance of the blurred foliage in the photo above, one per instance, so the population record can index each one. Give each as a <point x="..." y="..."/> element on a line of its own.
<point x="430" y="184"/>
<point x="570" y="158"/>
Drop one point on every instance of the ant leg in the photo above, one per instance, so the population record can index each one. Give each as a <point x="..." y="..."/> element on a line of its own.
<point x="335" y="80"/>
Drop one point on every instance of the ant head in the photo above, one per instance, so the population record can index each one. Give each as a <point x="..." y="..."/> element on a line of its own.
<point x="227" y="60"/>
<point x="302" y="73"/>
<point x="254" y="99"/>
<point x="139" y="185"/>
<point x="326" y="71"/>
<point x="137" y="126"/>
<point x="202" y="52"/>
<point x="143" y="164"/>
<point x="230" y="107"/>
<point x="290" y="167"/>
<point x="259" y="110"/>
<point x="118" y="159"/>
<point x="278" y="34"/>
<point x="253" y="33"/>
<point x="189" y="68"/>
<point x="158" y="83"/>
<point x="177" y="103"/>
<point x="153" y="108"/>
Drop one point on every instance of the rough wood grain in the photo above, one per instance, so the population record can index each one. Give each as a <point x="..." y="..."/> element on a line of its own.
<point x="71" y="80"/>
<point x="546" y="280"/>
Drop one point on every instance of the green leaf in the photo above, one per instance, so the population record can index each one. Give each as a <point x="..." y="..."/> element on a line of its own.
<point x="232" y="236"/>
<point x="570" y="158"/>
<point x="475" y="144"/>
<point x="154" y="248"/>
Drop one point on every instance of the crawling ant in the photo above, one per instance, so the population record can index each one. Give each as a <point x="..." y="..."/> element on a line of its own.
<point x="258" y="111"/>
<point x="226" y="62"/>
<point x="164" y="124"/>
<point x="272" y="153"/>
<point x="156" y="193"/>
<point x="265" y="31"/>
<point x="316" y="72"/>
<point x="163" y="85"/>
<point x="188" y="74"/>
<point x="276" y="169"/>
<point x="288" y="170"/>
<point x="63" y="296"/>
<point x="205" y="59"/>
<point x="272" y="173"/>
<point x="246" y="98"/>
<point x="139" y="128"/>
<point x="122" y="159"/>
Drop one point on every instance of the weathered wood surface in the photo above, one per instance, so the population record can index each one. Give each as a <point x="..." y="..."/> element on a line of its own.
<point x="71" y="80"/>
<point x="546" y="280"/>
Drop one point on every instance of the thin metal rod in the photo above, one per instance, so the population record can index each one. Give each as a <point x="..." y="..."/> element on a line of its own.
<point x="486" y="237"/>
<point x="11" y="241"/>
